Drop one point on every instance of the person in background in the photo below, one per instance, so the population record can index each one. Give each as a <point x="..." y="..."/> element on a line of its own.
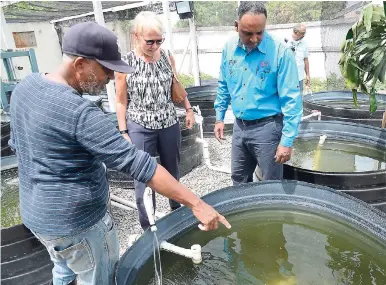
<point x="300" y="48"/>
<point x="259" y="76"/>
<point x="145" y="111"/>
<point x="63" y="142"/>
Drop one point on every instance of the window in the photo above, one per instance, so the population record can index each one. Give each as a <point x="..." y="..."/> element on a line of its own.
<point x="24" y="39"/>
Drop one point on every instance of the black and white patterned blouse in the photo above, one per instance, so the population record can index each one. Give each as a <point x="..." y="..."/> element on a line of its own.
<point x="149" y="92"/>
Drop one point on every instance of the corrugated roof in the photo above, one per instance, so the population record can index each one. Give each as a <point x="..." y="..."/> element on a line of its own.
<point x="45" y="11"/>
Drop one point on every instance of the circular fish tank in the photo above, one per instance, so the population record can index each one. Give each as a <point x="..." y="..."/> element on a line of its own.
<point x="352" y="159"/>
<point x="5" y="137"/>
<point x="24" y="260"/>
<point x="204" y="97"/>
<point x="283" y="232"/>
<point x="339" y="105"/>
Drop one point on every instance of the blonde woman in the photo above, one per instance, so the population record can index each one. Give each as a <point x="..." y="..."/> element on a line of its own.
<point x="146" y="114"/>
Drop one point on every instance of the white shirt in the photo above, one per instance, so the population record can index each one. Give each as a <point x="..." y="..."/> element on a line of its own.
<point x="301" y="52"/>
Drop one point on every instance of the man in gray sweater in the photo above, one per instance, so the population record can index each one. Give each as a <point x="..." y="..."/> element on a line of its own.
<point x="62" y="142"/>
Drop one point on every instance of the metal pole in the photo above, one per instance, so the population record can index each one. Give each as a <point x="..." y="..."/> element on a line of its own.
<point x="196" y="68"/>
<point x="184" y="54"/>
<point x="100" y="19"/>
<point x="168" y="26"/>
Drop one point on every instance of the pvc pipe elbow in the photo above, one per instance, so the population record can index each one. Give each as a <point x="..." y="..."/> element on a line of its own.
<point x="196" y="254"/>
<point x="322" y="139"/>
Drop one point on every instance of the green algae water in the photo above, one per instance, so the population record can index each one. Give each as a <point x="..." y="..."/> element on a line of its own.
<point x="337" y="156"/>
<point x="276" y="247"/>
<point x="10" y="213"/>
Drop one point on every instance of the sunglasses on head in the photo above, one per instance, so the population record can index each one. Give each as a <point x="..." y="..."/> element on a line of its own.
<point x="151" y="42"/>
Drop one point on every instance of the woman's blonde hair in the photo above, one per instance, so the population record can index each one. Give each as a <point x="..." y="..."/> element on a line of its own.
<point x="149" y="20"/>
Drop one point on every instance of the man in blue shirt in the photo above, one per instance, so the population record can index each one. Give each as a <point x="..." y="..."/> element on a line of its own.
<point x="259" y="75"/>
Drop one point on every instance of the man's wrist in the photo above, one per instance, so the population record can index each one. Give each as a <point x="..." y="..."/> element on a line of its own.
<point x="219" y="121"/>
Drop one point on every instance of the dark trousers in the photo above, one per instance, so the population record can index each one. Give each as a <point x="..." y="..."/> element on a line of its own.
<point x="167" y="142"/>
<point x="254" y="145"/>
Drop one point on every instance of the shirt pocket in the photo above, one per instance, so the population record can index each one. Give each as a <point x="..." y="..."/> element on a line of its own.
<point x="266" y="80"/>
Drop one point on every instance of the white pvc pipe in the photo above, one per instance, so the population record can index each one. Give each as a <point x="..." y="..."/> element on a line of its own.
<point x="119" y="205"/>
<point x="193" y="253"/>
<point x="314" y="114"/>
<point x="149" y="207"/>
<point x="207" y="158"/>
<point x="131" y="205"/>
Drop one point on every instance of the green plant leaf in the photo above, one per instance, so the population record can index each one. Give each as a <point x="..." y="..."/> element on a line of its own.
<point x="363" y="88"/>
<point x="373" y="101"/>
<point x="377" y="14"/>
<point x="349" y="35"/>
<point x="378" y="56"/>
<point x="343" y="47"/>
<point x="367" y="16"/>
<point x="382" y="73"/>
<point x="352" y="72"/>
<point x="354" y="30"/>
<point x="352" y="62"/>
<point x="365" y="47"/>
<point x="355" y="97"/>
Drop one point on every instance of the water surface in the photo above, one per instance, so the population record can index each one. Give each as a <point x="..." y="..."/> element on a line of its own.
<point x="277" y="247"/>
<point x="337" y="156"/>
<point x="10" y="213"/>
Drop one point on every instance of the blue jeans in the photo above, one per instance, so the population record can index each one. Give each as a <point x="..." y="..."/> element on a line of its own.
<point x="91" y="255"/>
<point x="254" y="145"/>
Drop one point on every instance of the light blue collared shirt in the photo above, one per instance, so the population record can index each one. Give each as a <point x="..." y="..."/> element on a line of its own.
<point x="260" y="83"/>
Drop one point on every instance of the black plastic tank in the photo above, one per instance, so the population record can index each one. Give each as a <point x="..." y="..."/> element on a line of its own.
<point x="339" y="105"/>
<point x="352" y="159"/>
<point x="5" y="137"/>
<point x="204" y="96"/>
<point x="302" y="250"/>
<point x="24" y="260"/>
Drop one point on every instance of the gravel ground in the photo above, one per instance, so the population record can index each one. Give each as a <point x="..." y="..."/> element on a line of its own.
<point x="201" y="181"/>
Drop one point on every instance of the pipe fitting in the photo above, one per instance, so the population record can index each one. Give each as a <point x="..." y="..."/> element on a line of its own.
<point x="194" y="253"/>
<point x="315" y="113"/>
<point x="206" y="156"/>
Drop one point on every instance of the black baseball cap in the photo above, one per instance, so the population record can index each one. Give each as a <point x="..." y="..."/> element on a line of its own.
<point x="91" y="40"/>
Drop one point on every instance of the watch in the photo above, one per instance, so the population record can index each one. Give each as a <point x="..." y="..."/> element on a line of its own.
<point x="124" y="132"/>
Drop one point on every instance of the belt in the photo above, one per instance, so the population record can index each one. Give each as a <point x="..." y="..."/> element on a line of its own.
<point x="254" y="122"/>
